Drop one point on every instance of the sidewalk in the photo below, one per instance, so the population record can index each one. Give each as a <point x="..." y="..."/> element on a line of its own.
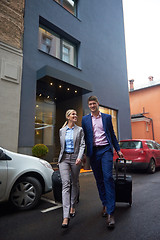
<point x="55" y="168"/>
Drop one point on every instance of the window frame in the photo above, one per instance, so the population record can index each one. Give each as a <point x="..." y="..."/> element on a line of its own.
<point x="111" y="112"/>
<point x="61" y="3"/>
<point x="131" y="144"/>
<point x="61" y="40"/>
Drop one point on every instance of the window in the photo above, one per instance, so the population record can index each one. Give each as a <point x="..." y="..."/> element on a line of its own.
<point x="155" y="145"/>
<point x="113" y="113"/>
<point x="68" y="53"/>
<point x="150" y="145"/>
<point x="69" y="5"/>
<point x="130" y="145"/>
<point x="46" y="43"/>
<point x="44" y="121"/>
<point x="55" y="45"/>
<point x="65" y="53"/>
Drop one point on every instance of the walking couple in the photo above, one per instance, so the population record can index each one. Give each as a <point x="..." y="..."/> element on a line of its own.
<point x="98" y="134"/>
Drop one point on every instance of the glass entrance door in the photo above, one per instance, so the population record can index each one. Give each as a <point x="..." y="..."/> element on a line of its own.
<point x="45" y="117"/>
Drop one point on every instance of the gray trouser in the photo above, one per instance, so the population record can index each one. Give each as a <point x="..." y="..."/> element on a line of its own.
<point x="69" y="196"/>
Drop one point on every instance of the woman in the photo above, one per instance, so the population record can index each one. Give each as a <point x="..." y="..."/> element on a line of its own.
<point x="70" y="157"/>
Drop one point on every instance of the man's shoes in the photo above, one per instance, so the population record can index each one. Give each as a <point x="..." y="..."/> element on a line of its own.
<point x="104" y="214"/>
<point x="110" y="221"/>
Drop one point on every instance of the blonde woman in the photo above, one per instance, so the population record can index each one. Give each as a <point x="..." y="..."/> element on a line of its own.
<point x="70" y="157"/>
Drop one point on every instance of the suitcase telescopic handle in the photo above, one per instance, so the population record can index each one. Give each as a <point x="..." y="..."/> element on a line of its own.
<point x="117" y="160"/>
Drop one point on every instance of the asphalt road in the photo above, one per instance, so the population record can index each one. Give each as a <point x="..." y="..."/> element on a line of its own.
<point x="139" y="222"/>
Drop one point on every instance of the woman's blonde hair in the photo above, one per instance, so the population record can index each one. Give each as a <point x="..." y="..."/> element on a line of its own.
<point x="68" y="112"/>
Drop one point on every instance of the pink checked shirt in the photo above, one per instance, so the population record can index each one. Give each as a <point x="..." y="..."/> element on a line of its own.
<point x="99" y="136"/>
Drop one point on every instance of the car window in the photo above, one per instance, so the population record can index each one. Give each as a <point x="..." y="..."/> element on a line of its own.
<point x="4" y="156"/>
<point x="155" y="145"/>
<point x="131" y="145"/>
<point x="158" y="146"/>
<point x="150" y="145"/>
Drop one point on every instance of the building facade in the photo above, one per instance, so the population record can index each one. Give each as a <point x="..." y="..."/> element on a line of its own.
<point x="145" y="113"/>
<point x="11" y="57"/>
<point x="71" y="50"/>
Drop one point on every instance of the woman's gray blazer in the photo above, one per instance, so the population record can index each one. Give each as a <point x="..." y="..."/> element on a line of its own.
<point x="78" y="141"/>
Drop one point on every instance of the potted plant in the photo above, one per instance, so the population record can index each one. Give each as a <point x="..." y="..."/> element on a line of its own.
<point x="39" y="150"/>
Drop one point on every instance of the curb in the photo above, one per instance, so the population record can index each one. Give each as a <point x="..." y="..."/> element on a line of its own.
<point x="55" y="168"/>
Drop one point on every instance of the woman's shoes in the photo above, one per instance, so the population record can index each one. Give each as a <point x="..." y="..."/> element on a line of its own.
<point x="73" y="212"/>
<point x="66" y="224"/>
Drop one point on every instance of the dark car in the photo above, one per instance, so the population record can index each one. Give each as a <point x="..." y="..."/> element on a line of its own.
<point x="139" y="154"/>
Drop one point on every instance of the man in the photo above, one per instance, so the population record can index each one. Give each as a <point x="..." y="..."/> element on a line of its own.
<point x="100" y="140"/>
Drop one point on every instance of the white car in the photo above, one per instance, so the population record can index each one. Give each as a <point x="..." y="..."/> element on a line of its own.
<point x="23" y="179"/>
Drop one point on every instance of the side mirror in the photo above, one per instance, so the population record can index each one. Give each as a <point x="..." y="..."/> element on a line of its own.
<point x="4" y="156"/>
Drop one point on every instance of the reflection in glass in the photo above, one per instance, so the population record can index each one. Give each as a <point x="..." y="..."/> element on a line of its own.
<point x="70" y="5"/>
<point x="53" y="44"/>
<point x="113" y="113"/>
<point x="44" y="121"/>
<point x="49" y="42"/>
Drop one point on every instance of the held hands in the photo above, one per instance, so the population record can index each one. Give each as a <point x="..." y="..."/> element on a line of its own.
<point x="120" y="154"/>
<point x="78" y="161"/>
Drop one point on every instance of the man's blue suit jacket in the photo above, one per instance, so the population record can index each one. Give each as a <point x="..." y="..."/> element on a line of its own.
<point x="108" y="128"/>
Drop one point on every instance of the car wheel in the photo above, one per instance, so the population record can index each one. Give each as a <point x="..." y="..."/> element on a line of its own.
<point x="152" y="166"/>
<point x="26" y="193"/>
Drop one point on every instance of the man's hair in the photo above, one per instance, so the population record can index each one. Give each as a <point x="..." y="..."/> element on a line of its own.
<point x="93" y="98"/>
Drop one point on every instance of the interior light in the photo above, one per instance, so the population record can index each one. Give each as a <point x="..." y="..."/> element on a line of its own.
<point x="60" y="86"/>
<point x="51" y="83"/>
<point x="68" y="89"/>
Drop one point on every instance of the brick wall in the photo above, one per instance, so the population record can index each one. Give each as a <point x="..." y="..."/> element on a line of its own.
<point x="11" y="22"/>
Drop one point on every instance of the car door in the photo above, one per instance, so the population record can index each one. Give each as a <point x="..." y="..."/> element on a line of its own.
<point x="3" y="178"/>
<point x="157" y="152"/>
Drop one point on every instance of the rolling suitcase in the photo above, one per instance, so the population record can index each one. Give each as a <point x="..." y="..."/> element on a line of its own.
<point x="57" y="187"/>
<point x="123" y="185"/>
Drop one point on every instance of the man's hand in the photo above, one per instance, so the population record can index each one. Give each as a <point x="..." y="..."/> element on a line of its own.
<point x="120" y="154"/>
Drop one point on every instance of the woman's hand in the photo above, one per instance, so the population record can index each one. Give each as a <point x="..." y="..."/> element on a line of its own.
<point x="78" y="161"/>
